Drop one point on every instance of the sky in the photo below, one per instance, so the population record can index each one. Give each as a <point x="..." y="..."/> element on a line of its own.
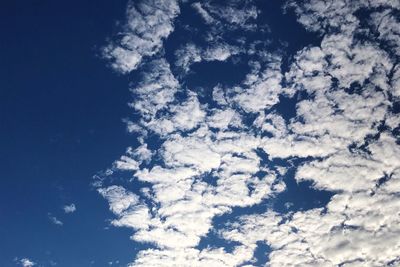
<point x="200" y="133"/>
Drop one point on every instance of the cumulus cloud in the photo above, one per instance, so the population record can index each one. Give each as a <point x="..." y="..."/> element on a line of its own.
<point x="262" y="88"/>
<point x="119" y="199"/>
<point x="148" y="23"/>
<point x="69" y="208"/>
<point x="214" y="156"/>
<point x="156" y="88"/>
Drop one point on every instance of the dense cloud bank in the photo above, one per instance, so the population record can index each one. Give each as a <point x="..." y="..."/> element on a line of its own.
<point x="204" y="152"/>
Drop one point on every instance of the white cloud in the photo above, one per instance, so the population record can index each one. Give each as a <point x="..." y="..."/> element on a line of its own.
<point x="261" y="88"/>
<point x="220" y="52"/>
<point x="192" y="257"/>
<point x="190" y="53"/>
<point x="395" y="82"/>
<point x="69" y="208"/>
<point x="223" y="118"/>
<point x="204" y="13"/>
<point x="119" y="199"/>
<point x="232" y="13"/>
<point x="187" y="55"/>
<point x="222" y="21"/>
<point x="387" y="25"/>
<point x="141" y="153"/>
<point x="25" y="262"/>
<point x="353" y="229"/>
<point x="183" y="117"/>
<point x="156" y="89"/>
<point x="54" y="220"/>
<point x="148" y="24"/>
<point x="207" y="162"/>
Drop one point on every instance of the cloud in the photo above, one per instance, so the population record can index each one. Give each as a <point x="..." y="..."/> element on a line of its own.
<point x="204" y="13"/>
<point x="119" y="199"/>
<point x="222" y="21"/>
<point x="212" y="156"/>
<point x="262" y="88"/>
<point x="113" y="262"/>
<point x="192" y="257"/>
<point x="148" y="23"/>
<point x="156" y="88"/>
<point x="190" y="53"/>
<point x="69" y="208"/>
<point x="25" y="262"/>
<point x="54" y="220"/>
<point x="335" y="125"/>
<point x="183" y="117"/>
<point x="350" y="230"/>
<point x="231" y="14"/>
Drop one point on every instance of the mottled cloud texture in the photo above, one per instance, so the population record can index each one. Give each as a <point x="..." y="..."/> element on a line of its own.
<point x="200" y="158"/>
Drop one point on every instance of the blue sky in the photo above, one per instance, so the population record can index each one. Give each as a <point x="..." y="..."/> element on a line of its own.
<point x="192" y="133"/>
<point x="61" y="111"/>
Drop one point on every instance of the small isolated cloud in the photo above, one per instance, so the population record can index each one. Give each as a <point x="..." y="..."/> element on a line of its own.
<point x="69" y="208"/>
<point x="25" y="262"/>
<point x="54" y="220"/>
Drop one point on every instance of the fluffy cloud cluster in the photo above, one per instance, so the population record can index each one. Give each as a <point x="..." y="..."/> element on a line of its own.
<point x="148" y="24"/>
<point x="200" y="159"/>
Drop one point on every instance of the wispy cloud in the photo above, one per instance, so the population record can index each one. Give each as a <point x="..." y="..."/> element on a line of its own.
<point x="54" y="220"/>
